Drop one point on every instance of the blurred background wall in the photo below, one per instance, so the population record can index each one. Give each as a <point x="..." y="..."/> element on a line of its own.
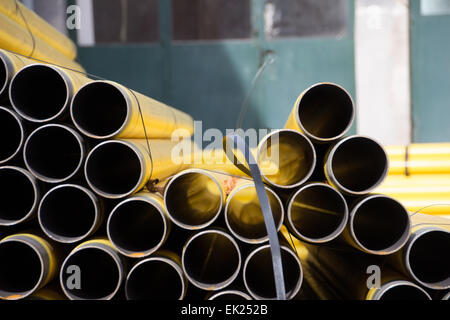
<point x="211" y="57"/>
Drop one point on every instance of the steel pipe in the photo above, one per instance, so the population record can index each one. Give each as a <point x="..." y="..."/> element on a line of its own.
<point x="42" y="93"/>
<point x="398" y="290"/>
<point x="232" y="295"/>
<point x="118" y="168"/>
<point x="317" y="213"/>
<point x="159" y="277"/>
<point x="258" y="273"/>
<point x="243" y="214"/>
<point x="101" y="269"/>
<point x="28" y="263"/>
<point x="70" y="213"/>
<point x="11" y="126"/>
<point x="14" y="182"/>
<point x="105" y="109"/>
<point x="293" y="155"/>
<point x="324" y="113"/>
<point x="378" y="225"/>
<point x="356" y="165"/>
<point x="139" y="225"/>
<point x="424" y="258"/>
<point x="194" y="198"/>
<point x="54" y="153"/>
<point x="211" y="259"/>
<point x="10" y="63"/>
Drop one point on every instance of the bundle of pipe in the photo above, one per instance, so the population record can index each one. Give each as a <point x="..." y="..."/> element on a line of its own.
<point x="22" y="31"/>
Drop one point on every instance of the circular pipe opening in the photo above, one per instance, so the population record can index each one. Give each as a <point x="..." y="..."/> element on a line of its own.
<point x="211" y="259"/>
<point x="230" y="295"/>
<point x="379" y="224"/>
<point x="325" y="112"/>
<point x="99" y="110"/>
<point x="68" y="213"/>
<point x="39" y="93"/>
<point x="137" y="227"/>
<point x="21" y="269"/>
<point x="12" y="209"/>
<point x="54" y="153"/>
<point x="291" y="153"/>
<point x="193" y="199"/>
<point x="11" y="127"/>
<point x="113" y="169"/>
<point x="427" y="257"/>
<point x="403" y="290"/>
<point x="155" y="279"/>
<point x="244" y="217"/>
<point x="101" y="274"/>
<point x="259" y="277"/>
<point x="317" y="213"/>
<point x="357" y="165"/>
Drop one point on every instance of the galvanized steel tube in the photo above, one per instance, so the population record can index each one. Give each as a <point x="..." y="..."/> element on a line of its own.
<point x="232" y="295"/>
<point x="356" y="165"/>
<point x="105" y="109"/>
<point x="20" y="196"/>
<point x="211" y="259"/>
<point x="54" y="153"/>
<point x="139" y="225"/>
<point x="317" y="213"/>
<point x="324" y="113"/>
<point x="10" y="63"/>
<point x="28" y="263"/>
<point x="243" y="214"/>
<point x="70" y="213"/>
<point x="292" y="153"/>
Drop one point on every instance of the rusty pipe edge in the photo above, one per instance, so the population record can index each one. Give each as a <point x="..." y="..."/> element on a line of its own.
<point x="141" y="216"/>
<point x="356" y="165"/>
<point x="101" y="271"/>
<point x="12" y="181"/>
<point x="258" y="273"/>
<point x="398" y="290"/>
<point x="54" y="153"/>
<point x="11" y="126"/>
<point x="240" y="219"/>
<point x="138" y="285"/>
<point x="189" y="185"/>
<point x="230" y="295"/>
<point x="324" y="112"/>
<point x="372" y="219"/>
<point x="295" y="159"/>
<point x="424" y="257"/>
<point x="213" y="247"/>
<point x="28" y="264"/>
<point x="83" y="213"/>
<point x="41" y="93"/>
<point x="317" y="213"/>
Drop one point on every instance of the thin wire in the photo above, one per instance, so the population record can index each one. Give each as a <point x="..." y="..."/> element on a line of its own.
<point x="33" y="48"/>
<point x="433" y="222"/>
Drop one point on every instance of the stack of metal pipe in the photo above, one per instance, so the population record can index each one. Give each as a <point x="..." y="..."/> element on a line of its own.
<point x="98" y="202"/>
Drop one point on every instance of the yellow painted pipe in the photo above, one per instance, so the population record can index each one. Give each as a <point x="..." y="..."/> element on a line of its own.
<point x="426" y="150"/>
<point x="420" y="167"/>
<point x="194" y="198"/>
<point x="23" y="257"/>
<point x="139" y="225"/>
<point x="10" y="64"/>
<point x="105" y="109"/>
<point x="16" y="38"/>
<point x="415" y="192"/>
<point x="26" y="18"/>
<point x="324" y="113"/>
<point x="243" y="214"/>
<point x="42" y="93"/>
<point x="424" y="258"/>
<point x="162" y="270"/>
<point x="418" y="180"/>
<point x="427" y="206"/>
<point x="103" y="270"/>
<point x="118" y="168"/>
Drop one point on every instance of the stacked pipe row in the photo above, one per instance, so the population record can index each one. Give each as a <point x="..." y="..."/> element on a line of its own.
<point x="420" y="177"/>
<point x="22" y="31"/>
<point x="108" y="193"/>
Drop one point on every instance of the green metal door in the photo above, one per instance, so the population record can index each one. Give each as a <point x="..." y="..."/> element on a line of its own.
<point x="212" y="78"/>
